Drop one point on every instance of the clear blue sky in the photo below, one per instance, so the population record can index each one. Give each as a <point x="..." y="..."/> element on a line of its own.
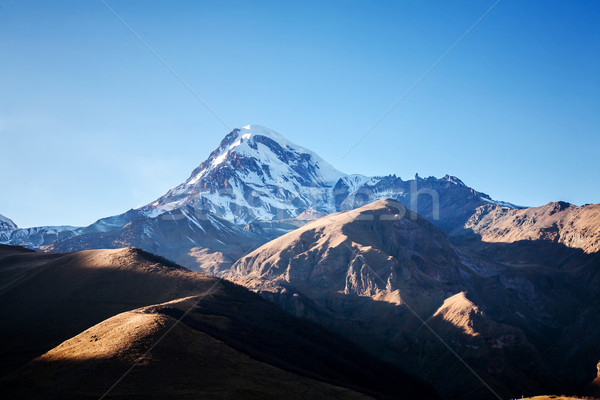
<point x="92" y="124"/>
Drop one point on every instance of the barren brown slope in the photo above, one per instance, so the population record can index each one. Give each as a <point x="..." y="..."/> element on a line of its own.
<point x="187" y="363"/>
<point x="559" y="222"/>
<point x="329" y="254"/>
<point x="16" y="262"/>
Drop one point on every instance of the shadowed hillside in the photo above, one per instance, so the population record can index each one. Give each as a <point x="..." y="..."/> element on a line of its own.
<point x="53" y="301"/>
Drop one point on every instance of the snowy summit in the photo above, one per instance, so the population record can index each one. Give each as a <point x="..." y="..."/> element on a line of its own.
<point x="255" y="174"/>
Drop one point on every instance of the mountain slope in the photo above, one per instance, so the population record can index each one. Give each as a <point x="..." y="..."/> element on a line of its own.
<point x="38" y="236"/>
<point x="49" y="297"/>
<point x="446" y="202"/>
<point x="186" y="364"/>
<point x="369" y="272"/>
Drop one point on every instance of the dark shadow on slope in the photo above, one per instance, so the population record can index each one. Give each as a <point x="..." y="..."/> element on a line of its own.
<point x="396" y="335"/>
<point x="567" y="281"/>
<point x="6" y="249"/>
<point x="258" y="328"/>
<point x="185" y="364"/>
<point x="60" y="297"/>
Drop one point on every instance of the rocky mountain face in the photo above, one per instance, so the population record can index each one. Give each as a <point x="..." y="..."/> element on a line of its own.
<point x="556" y="247"/>
<point x="39" y="236"/>
<point x="196" y="240"/>
<point x="447" y="202"/>
<point x="377" y="273"/>
<point x="556" y="222"/>
<point x="43" y="236"/>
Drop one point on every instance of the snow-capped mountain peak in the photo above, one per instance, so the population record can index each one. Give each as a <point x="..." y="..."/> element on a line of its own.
<point x="255" y="173"/>
<point x="271" y="149"/>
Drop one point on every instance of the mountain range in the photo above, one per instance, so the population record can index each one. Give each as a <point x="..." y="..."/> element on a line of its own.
<point x="424" y="277"/>
<point x="258" y="182"/>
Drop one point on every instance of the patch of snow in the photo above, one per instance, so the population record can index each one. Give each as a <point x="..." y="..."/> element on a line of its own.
<point x="218" y="160"/>
<point x="196" y="178"/>
<point x="192" y="220"/>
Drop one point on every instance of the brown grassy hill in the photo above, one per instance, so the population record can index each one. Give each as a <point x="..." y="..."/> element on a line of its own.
<point x="56" y="300"/>
<point x="187" y="363"/>
<point x="48" y="298"/>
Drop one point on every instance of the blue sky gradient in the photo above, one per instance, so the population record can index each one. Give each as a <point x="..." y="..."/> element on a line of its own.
<point x="92" y="124"/>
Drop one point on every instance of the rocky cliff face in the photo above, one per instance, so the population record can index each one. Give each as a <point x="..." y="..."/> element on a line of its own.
<point x="558" y="222"/>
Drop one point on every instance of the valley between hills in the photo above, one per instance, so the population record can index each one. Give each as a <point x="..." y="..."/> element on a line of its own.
<point x="270" y="274"/>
